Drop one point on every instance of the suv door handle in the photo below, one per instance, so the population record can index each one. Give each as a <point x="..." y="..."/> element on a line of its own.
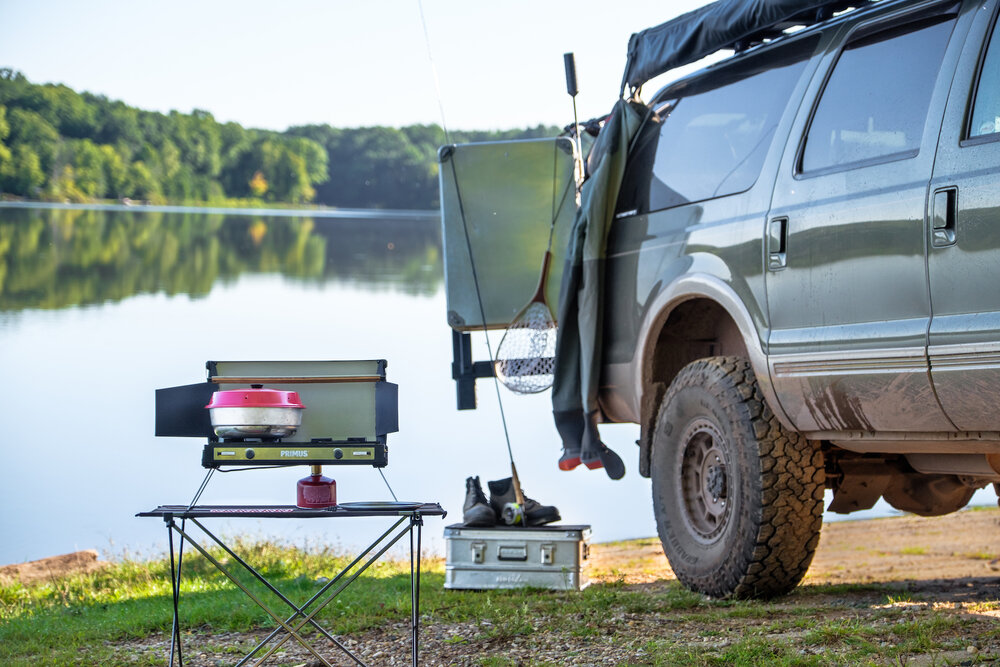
<point x="777" y="236"/>
<point x="944" y="210"/>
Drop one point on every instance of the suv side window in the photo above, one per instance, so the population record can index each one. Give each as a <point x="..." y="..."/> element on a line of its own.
<point x="986" y="107"/>
<point x="875" y="102"/>
<point x="709" y="136"/>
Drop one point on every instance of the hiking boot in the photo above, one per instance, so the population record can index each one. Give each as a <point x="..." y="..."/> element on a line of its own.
<point x="476" y="511"/>
<point x="535" y="514"/>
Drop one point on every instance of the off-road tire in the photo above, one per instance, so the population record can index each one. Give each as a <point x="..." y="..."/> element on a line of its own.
<point x="738" y="499"/>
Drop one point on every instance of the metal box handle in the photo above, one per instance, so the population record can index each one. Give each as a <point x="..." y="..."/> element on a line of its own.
<point x="512" y="552"/>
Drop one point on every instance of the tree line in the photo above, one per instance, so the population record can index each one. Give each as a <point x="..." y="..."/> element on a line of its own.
<point x="61" y="145"/>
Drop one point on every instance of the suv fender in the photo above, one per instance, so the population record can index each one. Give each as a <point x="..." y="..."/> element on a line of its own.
<point x="649" y="389"/>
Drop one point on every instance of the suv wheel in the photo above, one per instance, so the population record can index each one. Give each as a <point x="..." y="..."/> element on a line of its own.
<point x="738" y="499"/>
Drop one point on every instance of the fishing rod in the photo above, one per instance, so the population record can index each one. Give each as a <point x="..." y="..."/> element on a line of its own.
<point x="569" y="62"/>
<point x="517" y="512"/>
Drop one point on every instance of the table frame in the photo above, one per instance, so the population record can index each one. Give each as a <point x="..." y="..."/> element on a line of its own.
<point x="408" y="522"/>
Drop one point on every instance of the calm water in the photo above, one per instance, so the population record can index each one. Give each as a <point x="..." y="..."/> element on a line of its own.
<point x="100" y="307"/>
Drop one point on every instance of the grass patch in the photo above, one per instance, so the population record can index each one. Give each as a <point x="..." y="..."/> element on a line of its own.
<point x="913" y="551"/>
<point x="864" y="637"/>
<point x="132" y="599"/>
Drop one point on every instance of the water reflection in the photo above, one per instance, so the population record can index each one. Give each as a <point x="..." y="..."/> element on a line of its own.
<point x="60" y="257"/>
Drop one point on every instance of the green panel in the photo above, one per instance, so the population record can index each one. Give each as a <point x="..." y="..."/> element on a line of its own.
<point x="334" y="410"/>
<point x="509" y="193"/>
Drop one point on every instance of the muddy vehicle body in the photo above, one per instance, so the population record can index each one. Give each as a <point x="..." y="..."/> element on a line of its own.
<point x="800" y="287"/>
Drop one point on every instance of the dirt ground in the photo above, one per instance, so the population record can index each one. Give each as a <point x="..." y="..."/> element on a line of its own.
<point x="893" y="573"/>
<point x="916" y="549"/>
<point x="54" y="567"/>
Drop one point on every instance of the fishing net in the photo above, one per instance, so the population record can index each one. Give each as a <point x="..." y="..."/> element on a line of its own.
<point x="525" y="359"/>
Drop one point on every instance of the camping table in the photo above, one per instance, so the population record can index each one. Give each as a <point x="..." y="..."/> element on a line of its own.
<point x="408" y="521"/>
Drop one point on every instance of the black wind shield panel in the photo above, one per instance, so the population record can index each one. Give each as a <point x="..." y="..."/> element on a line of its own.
<point x="704" y="31"/>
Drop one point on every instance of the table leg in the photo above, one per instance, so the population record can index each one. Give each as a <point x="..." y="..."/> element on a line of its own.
<point x="340" y="589"/>
<point x="175" y="586"/>
<point x="299" y="617"/>
<point x="299" y="611"/>
<point x="416" y="521"/>
<point x="222" y="568"/>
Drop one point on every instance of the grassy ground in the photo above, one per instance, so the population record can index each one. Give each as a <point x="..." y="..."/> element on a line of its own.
<point x="69" y="620"/>
<point x="635" y="614"/>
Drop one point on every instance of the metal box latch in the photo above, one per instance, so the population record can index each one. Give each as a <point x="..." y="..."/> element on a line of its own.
<point x="478" y="552"/>
<point x="548" y="554"/>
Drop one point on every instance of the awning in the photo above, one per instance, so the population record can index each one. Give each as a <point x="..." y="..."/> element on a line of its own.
<point x="720" y="25"/>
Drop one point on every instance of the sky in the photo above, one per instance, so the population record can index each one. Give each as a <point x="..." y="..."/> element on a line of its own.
<point x="497" y="65"/>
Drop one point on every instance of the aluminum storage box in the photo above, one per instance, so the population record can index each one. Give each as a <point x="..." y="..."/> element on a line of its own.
<point x="513" y="557"/>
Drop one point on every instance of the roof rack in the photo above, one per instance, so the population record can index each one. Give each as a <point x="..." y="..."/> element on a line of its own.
<point x="805" y="19"/>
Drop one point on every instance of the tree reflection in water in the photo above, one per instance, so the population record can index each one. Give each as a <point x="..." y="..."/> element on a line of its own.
<point x="59" y="257"/>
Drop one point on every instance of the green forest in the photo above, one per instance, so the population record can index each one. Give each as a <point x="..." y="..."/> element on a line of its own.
<point x="57" y="144"/>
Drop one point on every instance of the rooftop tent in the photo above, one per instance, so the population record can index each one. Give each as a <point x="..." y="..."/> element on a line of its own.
<point x="726" y="24"/>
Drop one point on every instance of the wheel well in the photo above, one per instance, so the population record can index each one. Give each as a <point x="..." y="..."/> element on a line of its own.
<point x="693" y="330"/>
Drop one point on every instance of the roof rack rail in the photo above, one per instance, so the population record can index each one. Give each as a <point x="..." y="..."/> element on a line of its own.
<point x="805" y="19"/>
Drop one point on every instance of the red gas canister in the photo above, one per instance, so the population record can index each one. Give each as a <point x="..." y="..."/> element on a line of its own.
<point x="316" y="491"/>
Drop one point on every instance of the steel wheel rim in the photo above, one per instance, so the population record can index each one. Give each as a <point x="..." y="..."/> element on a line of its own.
<point x="705" y="481"/>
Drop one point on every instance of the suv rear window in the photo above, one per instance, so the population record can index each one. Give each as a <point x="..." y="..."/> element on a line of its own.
<point x="875" y="102"/>
<point x="709" y="136"/>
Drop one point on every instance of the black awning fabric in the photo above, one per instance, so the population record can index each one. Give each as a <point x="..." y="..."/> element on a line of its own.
<point x="704" y="31"/>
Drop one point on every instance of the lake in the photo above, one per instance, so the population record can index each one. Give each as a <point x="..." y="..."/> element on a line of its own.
<point x="100" y="306"/>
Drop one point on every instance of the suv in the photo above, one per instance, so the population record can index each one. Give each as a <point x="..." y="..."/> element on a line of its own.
<point x="801" y="287"/>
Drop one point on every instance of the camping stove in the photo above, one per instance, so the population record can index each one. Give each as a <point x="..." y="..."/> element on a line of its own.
<point x="286" y="413"/>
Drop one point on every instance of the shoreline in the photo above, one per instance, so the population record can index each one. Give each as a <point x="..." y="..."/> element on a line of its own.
<point x="353" y="213"/>
<point x="841" y="541"/>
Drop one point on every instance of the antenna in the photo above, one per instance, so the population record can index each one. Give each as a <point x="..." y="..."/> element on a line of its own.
<point x="570" y="63"/>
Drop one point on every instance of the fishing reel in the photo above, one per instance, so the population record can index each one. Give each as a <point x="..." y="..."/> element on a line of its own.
<point x="512" y="514"/>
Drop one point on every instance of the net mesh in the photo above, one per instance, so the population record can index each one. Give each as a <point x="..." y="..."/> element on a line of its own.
<point x="525" y="358"/>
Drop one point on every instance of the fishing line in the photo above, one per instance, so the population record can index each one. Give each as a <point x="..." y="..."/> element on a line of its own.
<point x="516" y="483"/>
<point x="482" y="311"/>
<point x="556" y="209"/>
<point x="525" y="358"/>
<point x="437" y="81"/>
<point x="468" y="242"/>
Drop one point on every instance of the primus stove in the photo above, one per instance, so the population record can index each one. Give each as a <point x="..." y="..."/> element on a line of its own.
<point x="285" y="413"/>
